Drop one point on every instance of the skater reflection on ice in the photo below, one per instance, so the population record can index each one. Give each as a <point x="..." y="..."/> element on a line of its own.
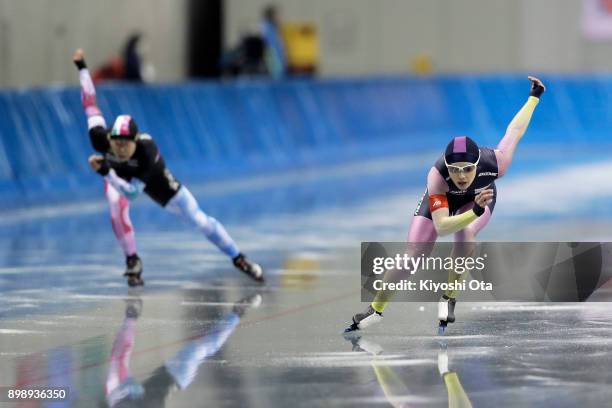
<point x="457" y="396"/>
<point x="395" y="385"/>
<point x="178" y="372"/>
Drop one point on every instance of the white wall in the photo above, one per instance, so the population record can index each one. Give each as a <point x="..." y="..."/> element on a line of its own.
<point x="37" y="37"/>
<point x="364" y="36"/>
<point x="551" y="39"/>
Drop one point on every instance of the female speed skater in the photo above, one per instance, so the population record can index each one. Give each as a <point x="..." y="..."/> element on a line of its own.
<point x="461" y="194"/>
<point x="131" y="163"/>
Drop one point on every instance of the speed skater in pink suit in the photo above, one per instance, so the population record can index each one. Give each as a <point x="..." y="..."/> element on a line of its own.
<point x="131" y="163"/>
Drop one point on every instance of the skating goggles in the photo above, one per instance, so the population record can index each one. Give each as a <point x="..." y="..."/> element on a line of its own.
<point x="468" y="168"/>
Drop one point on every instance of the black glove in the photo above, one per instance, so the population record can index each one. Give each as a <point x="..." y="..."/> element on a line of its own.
<point x="80" y="64"/>
<point x="104" y="167"/>
<point x="537" y="88"/>
<point x="478" y="210"/>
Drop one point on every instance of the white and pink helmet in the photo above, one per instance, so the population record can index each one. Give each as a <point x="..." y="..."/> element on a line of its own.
<point x="124" y="128"/>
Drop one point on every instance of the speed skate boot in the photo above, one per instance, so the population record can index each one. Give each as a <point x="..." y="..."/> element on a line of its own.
<point x="446" y="312"/>
<point x="365" y="319"/>
<point x="249" y="302"/>
<point x="252" y="269"/>
<point x="133" y="271"/>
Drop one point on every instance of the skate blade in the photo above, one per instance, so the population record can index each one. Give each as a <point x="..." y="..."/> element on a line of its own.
<point x="442" y="328"/>
<point x="259" y="279"/>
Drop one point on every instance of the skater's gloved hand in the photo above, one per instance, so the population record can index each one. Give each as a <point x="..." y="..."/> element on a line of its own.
<point x="79" y="59"/>
<point x="537" y="87"/>
<point x="482" y="200"/>
<point x="99" y="164"/>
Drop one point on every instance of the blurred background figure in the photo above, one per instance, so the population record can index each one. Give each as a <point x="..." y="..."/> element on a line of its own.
<point x="302" y="47"/>
<point x="135" y="58"/>
<point x="111" y="70"/>
<point x="132" y="65"/>
<point x="246" y="58"/>
<point x="275" y="54"/>
<point x="274" y="49"/>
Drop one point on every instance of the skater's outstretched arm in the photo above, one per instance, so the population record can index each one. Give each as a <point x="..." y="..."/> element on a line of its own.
<point x="517" y="127"/>
<point x="438" y="204"/>
<point x="95" y="121"/>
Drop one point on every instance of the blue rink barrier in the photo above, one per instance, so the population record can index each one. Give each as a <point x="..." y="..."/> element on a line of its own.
<point x="209" y="130"/>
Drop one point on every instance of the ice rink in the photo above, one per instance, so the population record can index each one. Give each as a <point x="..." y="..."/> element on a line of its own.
<point x="201" y="334"/>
